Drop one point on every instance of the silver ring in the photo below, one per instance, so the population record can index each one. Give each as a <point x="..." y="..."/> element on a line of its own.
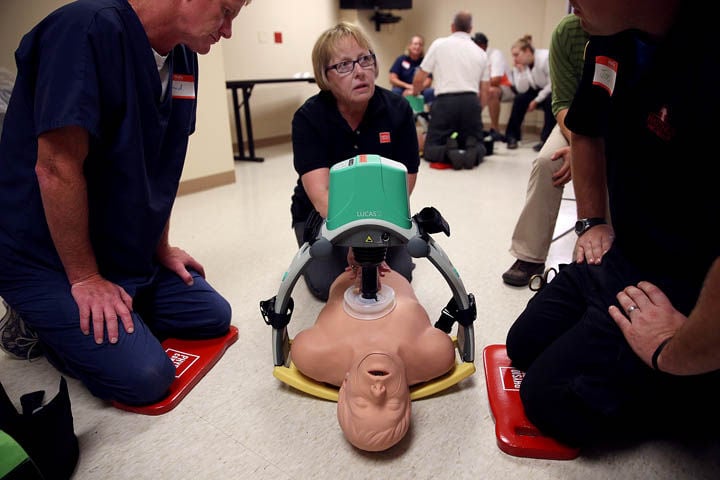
<point x="631" y="309"/>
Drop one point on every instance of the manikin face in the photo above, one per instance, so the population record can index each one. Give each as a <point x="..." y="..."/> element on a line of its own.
<point x="375" y="398"/>
<point x="354" y="89"/>
<point x="205" y="22"/>
<point x="415" y="48"/>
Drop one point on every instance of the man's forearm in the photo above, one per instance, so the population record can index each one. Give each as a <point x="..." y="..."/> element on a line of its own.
<point x="419" y="81"/>
<point x="694" y="348"/>
<point x="589" y="176"/>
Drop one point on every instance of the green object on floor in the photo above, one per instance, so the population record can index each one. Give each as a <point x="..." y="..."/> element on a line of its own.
<point x="14" y="461"/>
<point x="417" y="103"/>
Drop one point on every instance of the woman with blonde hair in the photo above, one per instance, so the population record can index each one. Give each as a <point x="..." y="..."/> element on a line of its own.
<point x="348" y="117"/>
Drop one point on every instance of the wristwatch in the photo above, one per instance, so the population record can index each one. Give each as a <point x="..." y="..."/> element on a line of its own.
<point x="585" y="224"/>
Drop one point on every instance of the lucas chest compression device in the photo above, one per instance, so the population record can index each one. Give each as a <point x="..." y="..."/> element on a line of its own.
<point x="368" y="210"/>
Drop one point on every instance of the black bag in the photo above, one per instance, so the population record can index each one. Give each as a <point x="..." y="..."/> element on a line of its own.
<point x="45" y="432"/>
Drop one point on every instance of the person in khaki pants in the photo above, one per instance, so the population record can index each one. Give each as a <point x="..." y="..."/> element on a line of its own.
<point x="551" y="169"/>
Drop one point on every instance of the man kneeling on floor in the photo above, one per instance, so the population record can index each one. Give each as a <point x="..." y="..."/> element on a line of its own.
<point x="93" y="146"/>
<point x="460" y="73"/>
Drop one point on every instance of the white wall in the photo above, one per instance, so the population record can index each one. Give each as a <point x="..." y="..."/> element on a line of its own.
<point x="251" y="53"/>
<point x="210" y="150"/>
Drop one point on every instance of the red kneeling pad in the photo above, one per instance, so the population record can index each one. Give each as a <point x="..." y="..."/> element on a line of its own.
<point x="515" y="434"/>
<point x="192" y="359"/>
<point x="440" y="165"/>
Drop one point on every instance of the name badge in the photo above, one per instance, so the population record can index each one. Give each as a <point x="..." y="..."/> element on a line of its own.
<point x="605" y="73"/>
<point x="183" y="87"/>
<point x="405" y="64"/>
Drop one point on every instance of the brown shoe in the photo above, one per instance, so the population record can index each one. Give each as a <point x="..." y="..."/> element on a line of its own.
<point x="519" y="274"/>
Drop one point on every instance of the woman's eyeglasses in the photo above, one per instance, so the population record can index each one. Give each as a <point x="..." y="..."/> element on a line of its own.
<point x="343" y="68"/>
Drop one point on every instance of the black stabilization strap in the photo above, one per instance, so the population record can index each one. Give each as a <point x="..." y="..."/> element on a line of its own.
<point x="276" y="320"/>
<point x="451" y="314"/>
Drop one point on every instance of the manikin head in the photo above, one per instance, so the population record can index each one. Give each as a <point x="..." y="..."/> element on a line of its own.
<point x="374" y="402"/>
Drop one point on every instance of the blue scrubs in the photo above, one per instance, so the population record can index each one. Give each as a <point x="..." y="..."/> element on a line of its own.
<point x="90" y="64"/>
<point x="404" y="67"/>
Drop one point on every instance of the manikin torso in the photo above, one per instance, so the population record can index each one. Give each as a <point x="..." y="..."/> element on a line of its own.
<point x="337" y="341"/>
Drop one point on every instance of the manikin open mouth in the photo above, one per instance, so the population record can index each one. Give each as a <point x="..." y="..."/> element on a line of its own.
<point x="378" y="373"/>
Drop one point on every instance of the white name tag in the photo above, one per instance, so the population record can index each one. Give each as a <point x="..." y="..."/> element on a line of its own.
<point x="405" y="64"/>
<point x="183" y="86"/>
<point x="605" y="73"/>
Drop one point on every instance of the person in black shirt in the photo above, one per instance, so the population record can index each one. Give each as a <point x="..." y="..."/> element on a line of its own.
<point x="350" y="116"/>
<point x="624" y="340"/>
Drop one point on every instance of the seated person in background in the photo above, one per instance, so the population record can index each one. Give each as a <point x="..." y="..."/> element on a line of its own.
<point x="654" y="275"/>
<point x="500" y="88"/>
<point x="373" y="361"/>
<point x="551" y="169"/>
<point x="350" y="116"/>
<point x="460" y="75"/>
<point x="531" y="80"/>
<point x="403" y="71"/>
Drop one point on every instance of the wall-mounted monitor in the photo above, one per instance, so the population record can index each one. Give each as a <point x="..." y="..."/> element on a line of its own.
<point x="373" y="4"/>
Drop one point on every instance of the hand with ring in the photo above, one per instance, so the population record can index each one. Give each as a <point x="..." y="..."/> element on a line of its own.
<point x="646" y="318"/>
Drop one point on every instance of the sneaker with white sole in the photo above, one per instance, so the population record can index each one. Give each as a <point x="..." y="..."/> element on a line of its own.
<point x="16" y="338"/>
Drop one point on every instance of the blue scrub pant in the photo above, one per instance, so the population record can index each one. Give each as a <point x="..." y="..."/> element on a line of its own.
<point x="136" y="370"/>
<point x="428" y="94"/>
<point x="583" y="383"/>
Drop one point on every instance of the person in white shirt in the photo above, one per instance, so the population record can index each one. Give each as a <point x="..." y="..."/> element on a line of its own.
<point x="461" y="75"/>
<point x="500" y="88"/>
<point x="531" y="79"/>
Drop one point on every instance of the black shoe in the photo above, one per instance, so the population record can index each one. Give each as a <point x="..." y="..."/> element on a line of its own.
<point x="519" y="274"/>
<point x="538" y="146"/>
<point x="512" y="143"/>
<point x="457" y="158"/>
<point x="497" y="136"/>
<point x="453" y="154"/>
<point x="472" y="153"/>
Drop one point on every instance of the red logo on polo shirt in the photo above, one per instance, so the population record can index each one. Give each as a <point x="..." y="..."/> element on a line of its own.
<point x="182" y="360"/>
<point x="384" y="137"/>
<point x="659" y="123"/>
<point x="511" y="378"/>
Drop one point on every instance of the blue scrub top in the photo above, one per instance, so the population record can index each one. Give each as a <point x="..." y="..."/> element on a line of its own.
<point x="90" y="64"/>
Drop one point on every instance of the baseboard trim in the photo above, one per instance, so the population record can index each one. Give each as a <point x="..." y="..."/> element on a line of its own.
<point x="268" y="141"/>
<point x="206" y="183"/>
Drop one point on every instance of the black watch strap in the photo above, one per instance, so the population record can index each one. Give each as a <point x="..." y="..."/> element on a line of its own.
<point x="585" y="224"/>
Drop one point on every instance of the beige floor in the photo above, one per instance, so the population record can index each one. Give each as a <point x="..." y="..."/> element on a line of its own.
<point x="241" y="423"/>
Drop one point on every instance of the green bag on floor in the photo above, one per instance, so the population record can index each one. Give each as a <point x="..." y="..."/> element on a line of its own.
<point x="44" y="433"/>
<point x="14" y="461"/>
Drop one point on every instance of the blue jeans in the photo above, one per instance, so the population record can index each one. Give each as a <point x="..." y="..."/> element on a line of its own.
<point x="136" y="370"/>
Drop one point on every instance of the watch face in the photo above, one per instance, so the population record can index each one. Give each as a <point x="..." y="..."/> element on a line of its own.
<point x="579" y="227"/>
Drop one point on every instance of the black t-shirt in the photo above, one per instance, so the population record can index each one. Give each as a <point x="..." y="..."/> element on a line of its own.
<point x="659" y="122"/>
<point x="321" y="138"/>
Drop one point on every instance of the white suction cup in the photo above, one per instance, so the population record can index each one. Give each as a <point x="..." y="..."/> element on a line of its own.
<point x="369" y="308"/>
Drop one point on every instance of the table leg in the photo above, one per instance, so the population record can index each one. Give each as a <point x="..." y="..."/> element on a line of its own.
<point x="248" y="125"/>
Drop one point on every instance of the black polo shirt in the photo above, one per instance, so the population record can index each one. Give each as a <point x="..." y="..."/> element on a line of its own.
<point x="659" y="126"/>
<point x="321" y="138"/>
